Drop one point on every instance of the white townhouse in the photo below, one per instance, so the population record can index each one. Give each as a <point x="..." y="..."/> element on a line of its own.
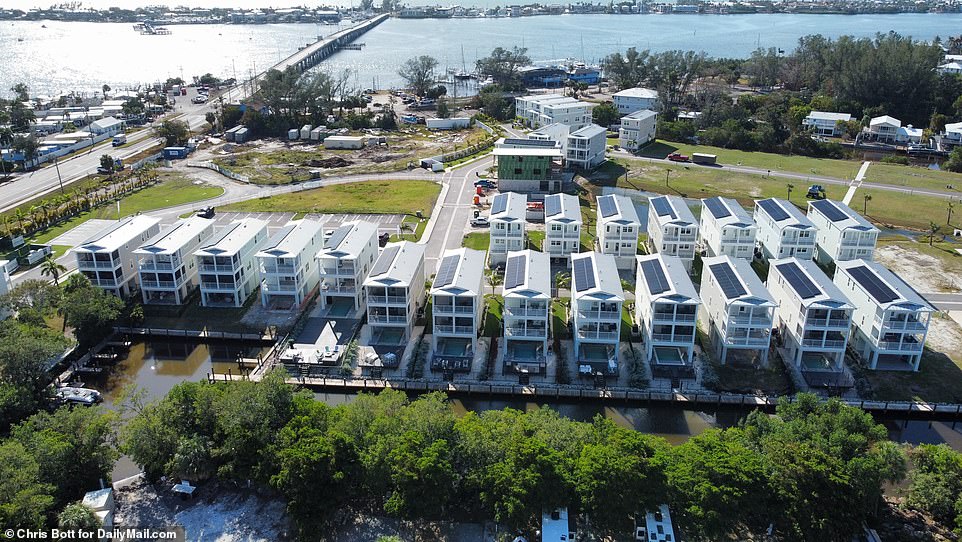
<point x="726" y="228"/>
<point x="596" y="302"/>
<point x="842" y="234"/>
<point x="166" y="265"/>
<point x="637" y="129"/>
<point x="395" y="290"/>
<point x="891" y="319"/>
<point x="783" y="231"/>
<point x="457" y="303"/>
<point x="556" y="132"/>
<point x="666" y="307"/>
<point x="736" y="307"/>
<point x="635" y="99"/>
<point x="544" y="109"/>
<point x="825" y="123"/>
<point x="562" y="225"/>
<point x="617" y="227"/>
<point x="813" y="318"/>
<point x="672" y="229"/>
<point x="227" y="263"/>
<point x="953" y="133"/>
<point x="287" y="265"/>
<point x="508" y="213"/>
<point x="108" y="259"/>
<point x="343" y="264"/>
<point x="954" y="67"/>
<point x="586" y="146"/>
<point x="527" y="300"/>
<point x="884" y="129"/>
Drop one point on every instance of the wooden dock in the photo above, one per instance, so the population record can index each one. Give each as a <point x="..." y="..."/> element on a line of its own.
<point x="195" y="334"/>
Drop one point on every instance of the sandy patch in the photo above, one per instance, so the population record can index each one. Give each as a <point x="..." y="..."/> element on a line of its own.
<point x="923" y="272"/>
<point x="945" y="335"/>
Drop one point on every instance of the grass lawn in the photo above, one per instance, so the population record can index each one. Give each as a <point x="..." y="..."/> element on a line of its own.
<point x="414" y="222"/>
<point x="477" y="240"/>
<point x="492" y="315"/>
<point x="743" y="379"/>
<point x="176" y="191"/>
<point x="197" y="317"/>
<point x="374" y="197"/>
<point x="535" y="239"/>
<point x="559" y="320"/>
<point x="626" y="323"/>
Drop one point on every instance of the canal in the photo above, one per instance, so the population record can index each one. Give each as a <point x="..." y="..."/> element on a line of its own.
<point x="157" y="366"/>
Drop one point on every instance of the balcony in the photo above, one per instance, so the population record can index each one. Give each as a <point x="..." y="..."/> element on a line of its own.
<point x="599" y="314"/>
<point x="669" y="338"/>
<point x="218" y="286"/>
<point x="96" y="264"/>
<point x="904" y="325"/>
<point x="105" y="283"/>
<point x="529" y="312"/>
<point x="864" y="243"/>
<point x="521" y="331"/>
<point x="599" y="335"/>
<point x="756" y="321"/>
<point x="819" y="343"/>
<point x="842" y="323"/>
<point x="281" y="287"/>
<point x="562" y="235"/>
<point x="670" y="317"/>
<point x="160" y="284"/>
<point x="387" y="300"/>
<point x="454" y="330"/>
<point x="747" y="341"/>
<point x="341" y="270"/>
<point x="386" y="319"/>
<point x="147" y="265"/>
<point x="342" y="288"/>
<point x="278" y="269"/>
<point x="452" y="309"/>
<point x="212" y="268"/>
<point x="904" y="346"/>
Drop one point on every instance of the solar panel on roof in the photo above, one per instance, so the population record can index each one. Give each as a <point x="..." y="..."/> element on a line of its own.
<point x="338" y="237"/>
<point x="530" y="142"/>
<point x="384" y="261"/>
<point x="552" y="205"/>
<point x="717" y="208"/>
<point x="829" y="209"/>
<point x="584" y="274"/>
<point x="727" y="280"/>
<point x="655" y="276"/>
<point x="773" y="209"/>
<point x="607" y="205"/>
<point x="500" y="204"/>
<point x="514" y="272"/>
<point x="663" y="208"/>
<point x="449" y="267"/>
<point x="872" y="284"/>
<point x="800" y="282"/>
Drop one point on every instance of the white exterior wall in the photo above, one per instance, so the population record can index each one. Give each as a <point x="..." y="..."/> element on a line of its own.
<point x="783" y="241"/>
<point x="116" y="271"/>
<point x="235" y="275"/>
<point x="586" y="153"/>
<point x="173" y="273"/>
<point x="727" y="239"/>
<point x="837" y="244"/>
<point x="637" y="132"/>
<point x="291" y="276"/>
<point x="343" y="277"/>
<point x="630" y="104"/>
<point x="735" y="324"/>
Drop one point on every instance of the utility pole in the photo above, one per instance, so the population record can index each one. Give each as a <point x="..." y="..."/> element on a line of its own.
<point x="56" y="165"/>
<point x="948" y="219"/>
<point x="667" y="176"/>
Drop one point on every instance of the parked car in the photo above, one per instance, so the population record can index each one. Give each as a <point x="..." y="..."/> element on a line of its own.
<point x="677" y="157"/>
<point x="383" y="239"/>
<point x="480" y="222"/>
<point x="199" y="99"/>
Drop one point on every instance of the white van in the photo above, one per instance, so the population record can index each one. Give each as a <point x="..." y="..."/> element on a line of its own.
<point x="119" y="140"/>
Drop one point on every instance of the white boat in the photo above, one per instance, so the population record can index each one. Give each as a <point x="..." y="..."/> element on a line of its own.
<point x="81" y="396"/>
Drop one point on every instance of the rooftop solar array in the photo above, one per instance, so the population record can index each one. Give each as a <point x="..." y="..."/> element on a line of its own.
<point x="500" y="204"/>
<point x="338" y="237"/>
<point x="655" y="276"/>
<point x="717" y="207"/>
<point x="449" y="267"/>
<point x="727" y="280"/>
<point x="384" y="261"/>
<point x="830" y="210"/>
<point x="514" y="271"/>
<point x="552" y="205"/>
<point x="530" y="142"/>
<point x="805" y="288"/>
<point x="663" y="208"/>
<point x="873" y="284"/>
<point x="584" y="274"/>
<point x="607" y="206"/>
<point x="773" y="209"/>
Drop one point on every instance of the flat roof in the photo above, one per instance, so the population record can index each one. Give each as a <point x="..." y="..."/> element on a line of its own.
<point x="828" y="115"/>
<point x="171" y="240"/>
<point x="809" y="282"/>
<point x="671" y="210"/>
<point x="291" y="240"/>
<point x="119" y="234"/>
<point x="588" y="131"/>
<point x="637" y="92"/>
<point x="396" y="264"/>
<point x="736" y="279"/>
<point x="231" y="239"/>
<point x="881" y="284"/>
<point x="840" y="215"/>
<point x="509" y="207"/>
<point x="885" y="119"/>
<point x="349" y="239"/>
<point x="564" y="208"/>
<point x="596" y="276"/>
<point x="617" y="208"/>
<point x="727" y="212"/>
<point x="666" y="279"/>
<point x="460" y="272"/>
<point x="784" y="213"/>
<point x="528" y="271"/>
<point x="641" y="114"/>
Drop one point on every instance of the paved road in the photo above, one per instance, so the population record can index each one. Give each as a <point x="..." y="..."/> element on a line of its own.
<point x="451" y="220"/>
<point x="945" y="302"/>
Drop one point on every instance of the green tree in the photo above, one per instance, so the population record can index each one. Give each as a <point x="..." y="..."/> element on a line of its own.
<point x="25" y="500"/>
<point x="50" y="268"/>
<point x="503" y="65"/>
<point x="21" y="92"/>
<point x="26" y="146"/>
<point x="936" y="482"/>
<point x="91" y="311"/>
<point x="629" y="70"/>
<point x="422" y="478"/>
<point x="605" y="114"/>
<point x="78" y="518"/>
<point x="419" y="73"/>
<point x="133" y="107"/>
<point x="173" y="132"/>
<point x="25" y="352"/>
<point x="443" y="110"/>
<point x="21" y="117"/>
<point x="107" y="163"/>
<point x="954" y="163"/>
<point x="105" y="89"/>
<point x="192" y="459"/>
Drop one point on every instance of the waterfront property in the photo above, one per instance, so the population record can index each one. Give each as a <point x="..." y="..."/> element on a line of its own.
<point x="953" y="133"/>
<point x="508" y="211"/>
<point x="166" y="266"/>
<point x="527" y="299"/>
<point x="783" y="231"/>
<point x="586" y="147"/>
<point x="666" y="306"/>
<point x="343" y="264"/>
<point x="529" y="165"/>
<point x="954" y="68"/>
<point x="635" y="99"/>
<point x="737" y="309"/>
<point x="637" y="129"/>
<point x="596" y="303"/>
<point x="672" y="229"/>
<point x="562" y="225"/>
<point x="228" y="272"/>
<point x="884" y="129"/>
<point x="395" y="291"/>
<point x="842" y="234"/>
<point x="726" y="229"/>
<point x="287" y="266"/>
<point x="909" y="135"/>
<point x="108" y="126"/>
<point x="456" y="307"/>
<point x="825" y="123"/>
<point x="813" y="317"/>
<point x="108" y="260"/>
<point x="617" y="229"/>
<point x="891" y="320"/>
<point x="544" y="109"/>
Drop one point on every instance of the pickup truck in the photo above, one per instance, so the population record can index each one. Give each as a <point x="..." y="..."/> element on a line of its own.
<point x="677" y="157"/>
<point x="480" y="222"/>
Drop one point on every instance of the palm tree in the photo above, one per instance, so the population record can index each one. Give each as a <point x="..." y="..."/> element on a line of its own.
<point x="934" y="230"/>
<point x="865" y="199"/>
<point x="19" y="215"/>
<point x="50" y="268"/>
<point x="948" y="219"/>
<point x="790" y="186"/>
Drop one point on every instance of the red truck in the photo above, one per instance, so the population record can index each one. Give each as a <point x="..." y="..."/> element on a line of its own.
<point x="677" y="157"/>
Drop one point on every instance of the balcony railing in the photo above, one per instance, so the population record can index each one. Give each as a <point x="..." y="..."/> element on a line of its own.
<point x="93" y="264"/>
<point x="387" y="300"/>
<point x="601" y="335"/>
<point x="281" y="287"/>
<point x="278" y="269"/>
<point x="455" y="330"/>
<point x="827" y="322"/>
<point x="155" y="266"/>
<point x="106" y="283"/>
<point x="904" y="346"/>
<point x="747" y="341"/>
<point x="669" y="338"/>
<point x="599" y="314"/>
<point x="819" y="343"/>
<point x="218" y="286"/>
<point x="338" y="288"/>
<point x="514" y="331"/>
<point x="532" y="312"/>
<point x="757" y="321"/>
<point x="386" y="319"/>
<point x="669" y="317"/>
<point x="213" y="268"/>
<point x="341" y="270"/>
<point x="912" y="325"/>
<point x="158" y="284"/>
<point x="450" y="309"/>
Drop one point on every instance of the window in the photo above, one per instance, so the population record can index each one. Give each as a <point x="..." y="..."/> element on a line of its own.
<point x="517" y="171"/>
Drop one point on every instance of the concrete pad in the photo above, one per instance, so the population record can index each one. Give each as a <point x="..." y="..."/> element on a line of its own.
<point x="82" y="232"/>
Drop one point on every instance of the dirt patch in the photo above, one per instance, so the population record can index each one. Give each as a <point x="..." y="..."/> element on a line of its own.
<point x="944" y="336"/>
<point x="333" y="162"/>
<point x="924" y="272"/>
